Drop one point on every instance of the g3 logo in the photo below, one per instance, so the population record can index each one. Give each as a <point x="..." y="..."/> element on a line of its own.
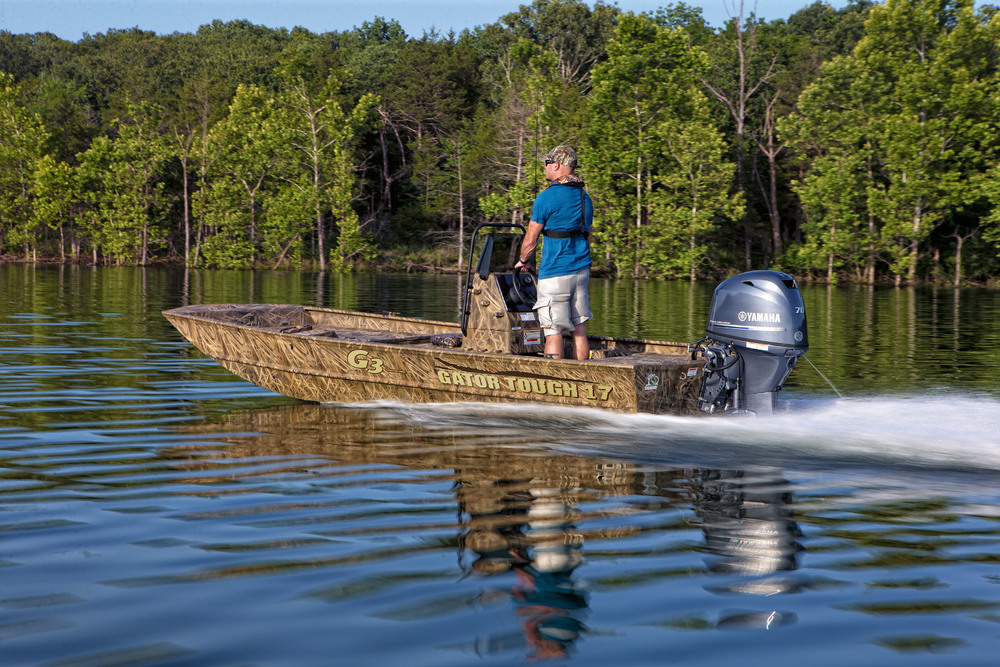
<point x="360" y="359"/>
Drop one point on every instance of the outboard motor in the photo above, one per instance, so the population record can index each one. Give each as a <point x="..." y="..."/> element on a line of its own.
<point x="756" y="332"/>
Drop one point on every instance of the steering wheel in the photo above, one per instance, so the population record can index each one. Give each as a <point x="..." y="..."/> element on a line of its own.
<point x="523" y="288"/>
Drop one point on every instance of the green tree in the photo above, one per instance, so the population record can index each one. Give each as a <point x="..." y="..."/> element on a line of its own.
<point x="434" y="86"/>
<point x="829" y="132"/>
<point x="121" y="68"/>
<point x="463" y="176"/>
<point x="22" y="138"/>
<point x="569" y="29"/>
<point x="320" y="167"/>
<point x="939" y="122"/>
<point x="243" y="150"/>
<point x="57" y="195"/>
<point x="742" y="63"/>
<point x="126" y="185"/>
<point x="26" y="56"/>
<point x="840" y="227"/>
<point x="647" y="88"/>
<point x="536" y="110"/>
<point x="912" y="112"/>
<point x="369" y="56"/>
<point x="207" y="77"/>
<point x="833" y="32"/>
<point x="693" y="195"/>
<point x="537" y="69"/>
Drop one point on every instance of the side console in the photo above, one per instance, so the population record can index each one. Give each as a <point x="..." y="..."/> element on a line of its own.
<point x="497" y="322"/>
<point x="498" y="310"/>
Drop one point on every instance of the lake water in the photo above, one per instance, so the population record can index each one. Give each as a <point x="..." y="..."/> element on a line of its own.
<point x="156" y="510"/>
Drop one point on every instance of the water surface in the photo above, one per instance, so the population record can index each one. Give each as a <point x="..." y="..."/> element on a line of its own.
<point x="155" y="509"/>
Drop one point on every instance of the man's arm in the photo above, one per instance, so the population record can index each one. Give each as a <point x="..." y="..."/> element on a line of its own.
<point x="529" y="243"/>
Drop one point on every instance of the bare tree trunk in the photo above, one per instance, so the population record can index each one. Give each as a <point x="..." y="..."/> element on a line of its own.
<point x="203" y="184"/>
<point x="461" y="207"/>
<point x="187" y="210"/>
<point x="770" y="191"/>
<point x="638" y="220"/>
<point x="830" y="258"/>
<point x="911" y="272"/>
<point x="736" y="102"/>
<point x="517" y="215"/>
<point x="320" y="226"/>
<point x="960" y="244"/>
<point x="692" y="242"/>
<point x="184" y="143"/>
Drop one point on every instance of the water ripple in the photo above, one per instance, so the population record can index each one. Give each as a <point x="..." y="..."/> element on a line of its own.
<point x="156" y="510"/>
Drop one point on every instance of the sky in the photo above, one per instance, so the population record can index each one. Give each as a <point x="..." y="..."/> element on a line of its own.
<point x="72" y="19"/>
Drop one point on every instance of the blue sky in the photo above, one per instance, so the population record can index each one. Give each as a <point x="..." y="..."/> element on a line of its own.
<point x="71" y="19"/>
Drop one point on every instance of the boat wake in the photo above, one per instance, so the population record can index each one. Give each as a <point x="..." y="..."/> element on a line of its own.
<point x="958" y="432"/>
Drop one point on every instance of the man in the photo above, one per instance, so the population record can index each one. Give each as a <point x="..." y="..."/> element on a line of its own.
<point x="562" y="213"/>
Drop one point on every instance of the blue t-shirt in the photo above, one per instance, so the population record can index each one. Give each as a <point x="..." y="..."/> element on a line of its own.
<point x="557" y="208"/>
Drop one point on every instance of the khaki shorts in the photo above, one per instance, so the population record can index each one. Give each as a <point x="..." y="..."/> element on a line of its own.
<point x="563" y="302"/>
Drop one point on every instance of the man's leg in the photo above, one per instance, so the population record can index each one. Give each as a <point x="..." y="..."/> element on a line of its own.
<point x="554" y="346"/>
<point x="579" y="303"/>
<point x="581" y="346"/>
<point x="553" y="310"/>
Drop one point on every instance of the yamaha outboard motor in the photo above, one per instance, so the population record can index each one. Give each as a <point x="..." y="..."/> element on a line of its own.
<point x="756" y="332"/>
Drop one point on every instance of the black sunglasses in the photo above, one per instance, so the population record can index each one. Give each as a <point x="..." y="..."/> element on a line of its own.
<point x="548" y="162"/>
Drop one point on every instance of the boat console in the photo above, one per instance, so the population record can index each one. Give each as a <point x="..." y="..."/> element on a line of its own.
<point x="498" y="313"/>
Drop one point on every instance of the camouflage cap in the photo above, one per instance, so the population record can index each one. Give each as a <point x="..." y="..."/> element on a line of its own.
<point x="562" y="154"/>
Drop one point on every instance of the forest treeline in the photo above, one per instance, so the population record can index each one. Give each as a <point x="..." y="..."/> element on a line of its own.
<point x="857" y="144"/>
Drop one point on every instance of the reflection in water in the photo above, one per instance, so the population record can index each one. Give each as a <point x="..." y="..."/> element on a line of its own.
<point x="746" y="518"/>
<point x="547" y="597"/>
<point x="133" y="532"/>
<point x="521" y="508"/>
<point x="530" y="531"/>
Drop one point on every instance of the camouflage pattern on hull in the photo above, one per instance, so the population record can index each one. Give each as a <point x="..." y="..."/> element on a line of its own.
<point x="330" y="356"/>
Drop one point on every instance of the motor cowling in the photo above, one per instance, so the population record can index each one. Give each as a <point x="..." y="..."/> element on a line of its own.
<point x="755" y="334"/>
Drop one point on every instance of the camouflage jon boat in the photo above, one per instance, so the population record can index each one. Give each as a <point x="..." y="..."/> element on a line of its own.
<point x="493" y="355"/>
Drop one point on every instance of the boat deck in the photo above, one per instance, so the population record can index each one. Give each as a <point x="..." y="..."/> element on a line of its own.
<point x="600" y="350"/>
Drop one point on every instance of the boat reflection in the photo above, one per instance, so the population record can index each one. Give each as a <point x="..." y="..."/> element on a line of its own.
<point x="524" y="509"/>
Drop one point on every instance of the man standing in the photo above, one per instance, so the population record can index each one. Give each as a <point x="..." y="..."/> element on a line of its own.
<point x="562" y="213"/>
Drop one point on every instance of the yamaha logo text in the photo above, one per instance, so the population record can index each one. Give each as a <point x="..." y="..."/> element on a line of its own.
<point x="759" y="317"/>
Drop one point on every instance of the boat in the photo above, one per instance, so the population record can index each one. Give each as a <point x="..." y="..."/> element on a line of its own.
<point x="755" y="334"/>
